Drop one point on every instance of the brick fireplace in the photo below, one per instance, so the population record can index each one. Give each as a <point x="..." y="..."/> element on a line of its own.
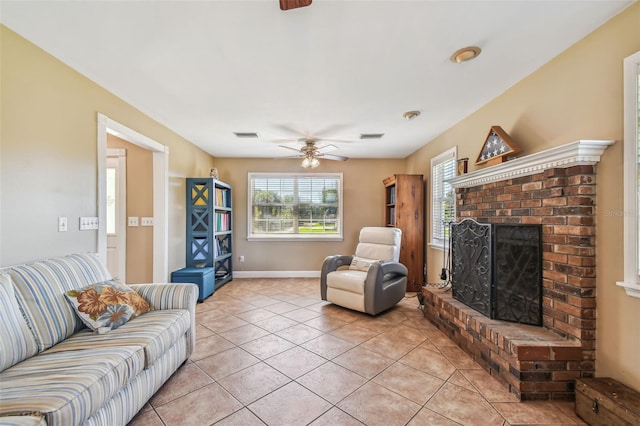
<point x="557" y="190"/>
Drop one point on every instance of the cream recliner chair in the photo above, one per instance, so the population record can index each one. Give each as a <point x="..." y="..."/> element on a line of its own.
<point x="370" y="281"/>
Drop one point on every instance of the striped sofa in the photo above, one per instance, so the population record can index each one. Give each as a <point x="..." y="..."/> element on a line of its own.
<point x="55" y="371"/>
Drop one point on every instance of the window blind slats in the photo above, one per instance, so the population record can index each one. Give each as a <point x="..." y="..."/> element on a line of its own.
<point x="296" y="205"/>
<point x="443" y="167"/>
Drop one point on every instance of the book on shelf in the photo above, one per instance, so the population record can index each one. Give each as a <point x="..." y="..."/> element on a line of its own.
<point x="222" y="197"/>
<point x="218" y="248"/>
<point x="223" y="221"/>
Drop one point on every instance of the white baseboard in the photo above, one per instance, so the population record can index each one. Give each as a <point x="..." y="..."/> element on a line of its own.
<point x="276" y="274"/>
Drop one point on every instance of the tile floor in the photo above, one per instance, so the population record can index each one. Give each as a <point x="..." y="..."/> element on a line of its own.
<point x="269" y="351"/>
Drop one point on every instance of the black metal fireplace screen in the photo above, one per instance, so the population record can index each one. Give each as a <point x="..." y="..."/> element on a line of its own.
<point x="497" y="269"/>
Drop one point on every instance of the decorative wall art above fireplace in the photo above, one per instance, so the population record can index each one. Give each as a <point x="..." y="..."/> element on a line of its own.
<point x="497" y="148"/>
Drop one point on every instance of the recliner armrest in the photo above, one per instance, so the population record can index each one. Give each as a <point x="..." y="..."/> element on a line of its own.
<point x="395" y="268"/>
<point x="332" y="263"/>
<point x="382" y="271"/>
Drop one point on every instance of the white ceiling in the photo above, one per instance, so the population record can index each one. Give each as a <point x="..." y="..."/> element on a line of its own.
<point x="335" y="69"/>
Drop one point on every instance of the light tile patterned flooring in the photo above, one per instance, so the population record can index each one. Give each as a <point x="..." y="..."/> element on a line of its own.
<point x="270" y="351"/>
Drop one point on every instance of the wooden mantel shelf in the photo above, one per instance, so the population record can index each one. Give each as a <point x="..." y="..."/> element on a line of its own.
<point x="582" y="152"/>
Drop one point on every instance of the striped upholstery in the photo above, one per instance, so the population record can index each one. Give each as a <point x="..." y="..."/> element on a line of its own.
<point x="40" y="289"/>
<point x="173" y="296"/>
<point x="16" y="340"/>
<point x="41" y="296"/>
<point x="23" y="421"/>
<point x="155" y="332"/>
<point x="71" y="375"/>
<point x="88" y="267"/>
<point x="132" y="398"/>
<point x="68" y="387"/>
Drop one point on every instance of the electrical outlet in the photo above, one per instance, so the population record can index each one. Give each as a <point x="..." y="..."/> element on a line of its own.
<point x="241" y="259"/>
<point x="133" y="221"/>
<point x="146" y="221"/>
<point x="62" y="224"/>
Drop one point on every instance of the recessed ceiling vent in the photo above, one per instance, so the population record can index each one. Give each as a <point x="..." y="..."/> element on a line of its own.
<point x="371" y="135"/>
<point x="249" y="135"/>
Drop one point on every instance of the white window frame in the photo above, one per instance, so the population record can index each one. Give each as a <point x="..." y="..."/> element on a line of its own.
<point x="437" y="227"/>
<point x="631" y="281"/>
<point x="302" y="236"/>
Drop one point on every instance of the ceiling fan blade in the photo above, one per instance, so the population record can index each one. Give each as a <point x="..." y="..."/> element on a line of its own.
<point x="337" y="140"/>
<point x="333" y="157"/>
<point x="331" y="130"/>
<point x="284" y="140"/>
<point x="288" y="147"/>
<point x="289" y="156"/>
<point x="326" y="148"/>
<point x="293" y="4"/>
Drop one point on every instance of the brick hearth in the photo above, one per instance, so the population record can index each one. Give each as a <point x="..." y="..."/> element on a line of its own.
<point x="535" y="362"/>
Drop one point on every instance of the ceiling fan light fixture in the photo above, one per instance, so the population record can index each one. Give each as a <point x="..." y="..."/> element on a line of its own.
<point x="410" y="115"/>
<point x="310" y="162"/>
<point x="465" y="54"/>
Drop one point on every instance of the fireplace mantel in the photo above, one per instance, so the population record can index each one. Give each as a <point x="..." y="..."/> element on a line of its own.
<point x="582" y="152"/>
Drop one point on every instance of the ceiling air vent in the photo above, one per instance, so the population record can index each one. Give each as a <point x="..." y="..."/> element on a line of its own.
<point x="371" y="135"/>
<point x="246" y="134"/>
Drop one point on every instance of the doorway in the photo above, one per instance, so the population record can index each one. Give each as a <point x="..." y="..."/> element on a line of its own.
<point x="116" y="212"/>
<point x="160" y="191"/>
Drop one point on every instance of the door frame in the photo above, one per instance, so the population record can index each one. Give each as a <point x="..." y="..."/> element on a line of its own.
<point x="121" y="213"/>
<point x="160" y="191"/>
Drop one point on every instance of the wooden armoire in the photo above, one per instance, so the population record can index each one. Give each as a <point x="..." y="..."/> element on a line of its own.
<point x="404" y="209"/>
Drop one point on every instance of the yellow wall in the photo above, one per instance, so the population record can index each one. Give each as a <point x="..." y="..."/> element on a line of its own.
<point x="363" y="196"/>
<point x="577" y="95"/>
<point x="139" y="204"/>
<point x="48" y="158"/>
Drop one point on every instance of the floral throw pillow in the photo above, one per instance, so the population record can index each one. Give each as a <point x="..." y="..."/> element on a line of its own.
<point x="107" y="305"/>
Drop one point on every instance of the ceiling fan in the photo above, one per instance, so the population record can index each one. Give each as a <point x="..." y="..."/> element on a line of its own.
<point x="310" y="153"/>
<point x="293" y="4"/>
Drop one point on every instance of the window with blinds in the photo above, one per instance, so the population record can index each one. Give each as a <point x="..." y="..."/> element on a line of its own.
<point x="443" y="200"/>
<point x="295" y="206"/>
<point x="631" y="148"/>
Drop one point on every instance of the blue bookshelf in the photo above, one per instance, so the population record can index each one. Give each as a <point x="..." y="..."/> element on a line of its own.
<point x="209" y="239"/>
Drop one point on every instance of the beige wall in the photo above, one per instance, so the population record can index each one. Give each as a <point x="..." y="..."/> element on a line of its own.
<point x="363" y="206"/>
<point x="48" y="155"/>
<point x="139" y="204"/>
<point x="577" y="95"/>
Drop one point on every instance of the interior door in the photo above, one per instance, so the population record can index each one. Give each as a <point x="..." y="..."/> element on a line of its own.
<point x="116" y="213"/>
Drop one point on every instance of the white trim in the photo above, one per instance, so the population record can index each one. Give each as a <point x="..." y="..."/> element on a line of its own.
<point x="101" y="248"/>
<point x="276" y="274"/>
<point x="298" y="237"/>
<point x="630" y="239"/>
<point x="121" y="154"/>
<point x="582" y="152"/>
<point x="294" y="237"/>
<point x="450" y="154"/>
<point x="160" y="191"/>
<point x="161" y="216"/>
<point x="631" y="289"/>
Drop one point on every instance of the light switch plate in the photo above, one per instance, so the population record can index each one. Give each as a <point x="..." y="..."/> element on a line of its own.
<point x="88" y="223"/>
<point x="146" y="221"/>
<point x="133" y="221"/>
